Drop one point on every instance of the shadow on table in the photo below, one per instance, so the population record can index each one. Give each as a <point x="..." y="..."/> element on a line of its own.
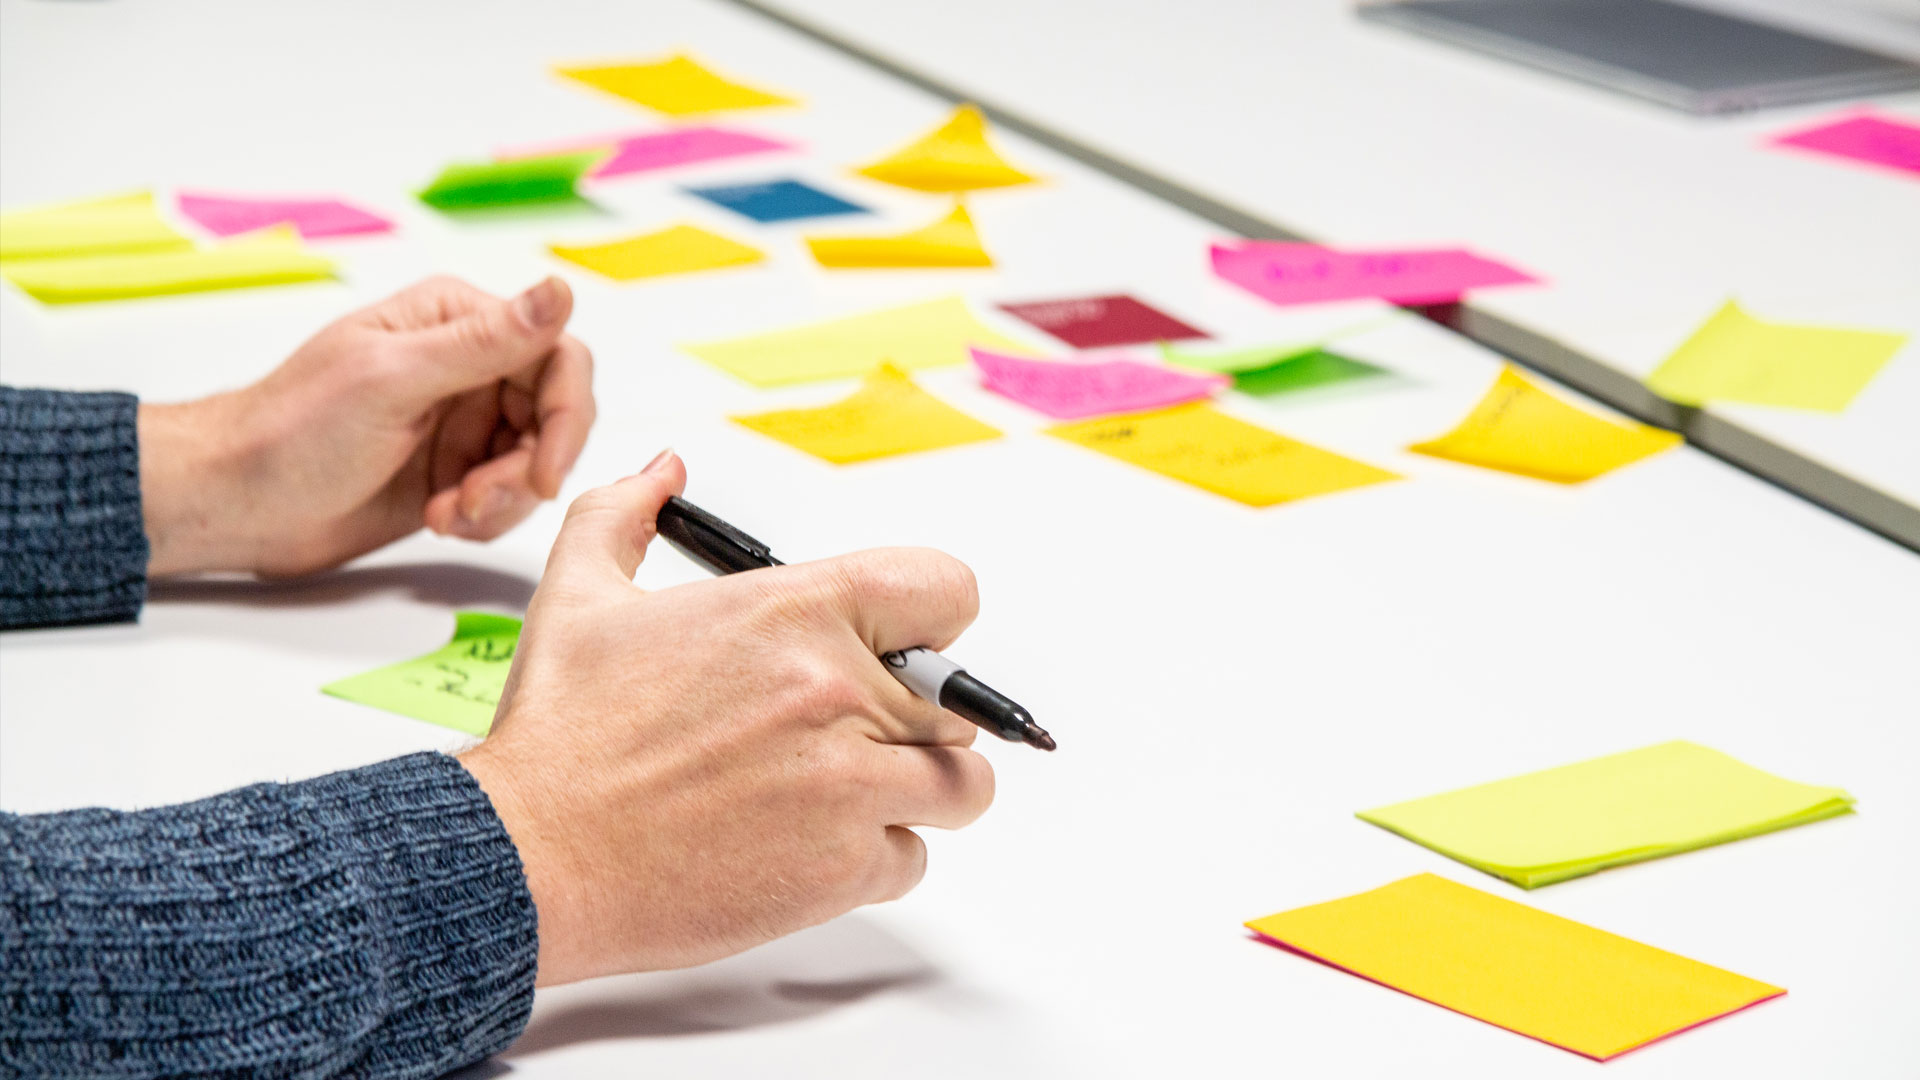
<point x="447" y="584"/>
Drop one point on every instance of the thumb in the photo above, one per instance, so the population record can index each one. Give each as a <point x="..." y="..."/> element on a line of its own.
<point x="495" y="338"/>
<point x="607" y="529"/>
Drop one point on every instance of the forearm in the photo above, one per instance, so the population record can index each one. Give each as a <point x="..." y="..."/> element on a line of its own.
<point x="371" y="923"/>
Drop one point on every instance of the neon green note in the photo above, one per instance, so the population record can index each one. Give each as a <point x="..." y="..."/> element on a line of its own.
<point x="456" y="686"/>
<point x="120" y="223"/>
<point x="1563" y="823"/>
<point x="480" y="185"/>
<point x="1275" y="369"/>
<point x="1736" y="357"/>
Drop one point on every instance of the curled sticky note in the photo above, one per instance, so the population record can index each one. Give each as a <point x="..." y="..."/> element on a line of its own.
<point x="955" y="156"/>
<point x="1736" y="357"/>
<point x="267" y="257"/>
<point x="677" y="250"/>
<point x="677" y="86"/>
<point x="230" y="215"/>
<point x="121" y="223"/>
<point x="888" y="415"/>
<point x="486" y="184"/>
<point x="933" y="333"/>
<point x="950" y="241"/>
<point x="1070" y="390"/>
<point x="1276" y="369"/>
<point x="457" y="686"/>
<point x="1520" y="428"/>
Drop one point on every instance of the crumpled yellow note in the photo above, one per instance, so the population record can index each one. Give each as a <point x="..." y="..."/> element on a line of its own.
<point x="888" y="415"/>
<point x="120" y="223"/>
<point x="1553" y="979"/>
<point x="1566" y="822"/>
<point x="677" y="86"/>
<point x="1520" y="428"/>
<point x="456" y="686"/>
<point x="1736" y="357"/>
<point x="956" y="156"/>
<point x="270" y="256"/>
<point x="951" y="241"/>
<point x="933" y="333"/>
<point x="677" y="250"/>
<point x="1207" y="448"/>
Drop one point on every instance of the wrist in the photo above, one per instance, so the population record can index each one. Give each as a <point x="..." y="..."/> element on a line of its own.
<point x="188" y="456"/>
<point x="565" y="955"/>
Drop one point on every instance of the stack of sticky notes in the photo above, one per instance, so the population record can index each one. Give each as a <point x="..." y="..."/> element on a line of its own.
<point x="1562" y="823"/>
<point x="1513" y="966"/>
<point x="457" y="685"/>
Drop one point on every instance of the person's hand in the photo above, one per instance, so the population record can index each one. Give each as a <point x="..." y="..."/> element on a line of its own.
<point x="690" y="772"/>
<point x="440" y="406"/>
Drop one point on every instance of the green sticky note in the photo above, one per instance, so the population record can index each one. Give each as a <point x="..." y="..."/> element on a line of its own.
<point x="1563" y="823"/>
<point x="456" y="686"/>
<point x="1736" y="357"/>
<point x="1276" y="369"/>
<point x="478" y="185"/>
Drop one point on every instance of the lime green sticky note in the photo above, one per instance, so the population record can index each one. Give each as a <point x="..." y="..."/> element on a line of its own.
<point x="456" y="686"/>
<point x="479" y="185"/>
<point x="121" y="223"/>
<point x="1275" y="369"/>
<point x="1736" y="357"/>
<point x="271" y="256"/>
<point x="1564" y="823"/>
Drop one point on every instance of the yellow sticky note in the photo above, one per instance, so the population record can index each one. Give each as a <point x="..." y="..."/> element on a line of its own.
<point x="953" y="157"/>
<point x="457" y="685"/>
<point x="678" y="86"/>
<point x="951" y="241"/>
<point x="934" y="333"/>
<point x="1517" y="967"/>
<point x="122" y="223"/>
<point x="1520" y="428"/>
<point x="678" y="250"/>
<point x="270" y="256"/>
<point x="1736" y="357"/>
<point x="1211" y="450"/>
<point x="888" y="415"/>
<point x="1563" y="823"/>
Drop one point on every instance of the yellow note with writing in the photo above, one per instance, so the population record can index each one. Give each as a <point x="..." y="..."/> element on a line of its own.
<point x="1520" y="428"/>
<point x="677" y="250"/>
<point x="677" y="86"/>
<point x="457" y="686"/>
<point x="951" y="241"/>
<point x="888" y="415"/>
<point x="1553" y="979"/>
<point x="121" y="223"/>
<point x="1736" y="357"/>
<point x="1562" y="823"/>
<point x="269" y="256"/>
<point x="1211" y="450"/>
<point x="955" y="156"/>
<point x="933" y="333"/>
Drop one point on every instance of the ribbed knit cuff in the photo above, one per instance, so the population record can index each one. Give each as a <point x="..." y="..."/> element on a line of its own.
<point x="369" y="923"/>
<point x="71" y="533"/>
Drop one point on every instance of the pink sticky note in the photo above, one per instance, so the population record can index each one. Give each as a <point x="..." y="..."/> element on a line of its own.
<point x="1868" y="137"/>
<point x="645" y="151"/>
<point x="226" y="215"/>
<point x="1071" y="390"/>
<point x="1309" y="273"/>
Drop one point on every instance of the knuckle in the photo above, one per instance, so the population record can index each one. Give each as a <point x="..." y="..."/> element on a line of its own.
<point x="903" y="864"/>
<point x="824" y="690"/>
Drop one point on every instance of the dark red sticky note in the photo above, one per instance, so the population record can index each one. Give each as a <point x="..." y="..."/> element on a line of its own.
<point x="1094" y="322"/>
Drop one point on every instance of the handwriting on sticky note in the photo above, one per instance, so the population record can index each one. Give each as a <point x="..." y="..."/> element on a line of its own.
<point x="457" y="685"/>
<point x="678" y="250"/>
<point x="1520" y="428"/>
<point x="933" y="333"/>
<point x="956" y="156"/>
<point x="115" y="225"/>
<point x="1559" y="981"/>
<point x="651" y="151"/>
<point x="1875" y="139"/>
<point x="949" y="242"/>
<point x="1070" y="390"/>
<point x="1736" y="357"/>
<point x="231" y="215"/>
<point x="1308" y="273"/>
<point x="888" y="415"/>
<point x="1204" y="447"/>
<point x="676" y="86"/>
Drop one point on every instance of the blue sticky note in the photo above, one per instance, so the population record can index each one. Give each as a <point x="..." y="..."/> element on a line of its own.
<point x="776" y="200"/>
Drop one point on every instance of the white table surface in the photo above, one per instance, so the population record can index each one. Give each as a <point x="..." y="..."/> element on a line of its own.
<point x="1229" y="685"/>
<point x="1641" y="219"/>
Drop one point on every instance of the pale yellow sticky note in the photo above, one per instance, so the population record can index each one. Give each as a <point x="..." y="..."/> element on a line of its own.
<point x="1211" y="450"/>
<point x="951" y="241"/>
<point x="1562" y="823"/>
<point x="888" y="415"/>
<point x="678" y="250"/>
<point x="934" y="333"/>
<point x="1736" y="357"/>
<point x="1556" y="980"/>
<point x="122" y="223"/>
<point x="678" y="86"/>
<point x="956" y="156"/>
<point x="269" y="256"/>
<point x="1520" y="428"/>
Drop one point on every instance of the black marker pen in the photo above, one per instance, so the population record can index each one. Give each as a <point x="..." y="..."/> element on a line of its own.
<point x="723" y="549"/>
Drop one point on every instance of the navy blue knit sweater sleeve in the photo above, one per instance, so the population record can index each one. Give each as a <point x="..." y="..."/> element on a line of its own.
<point x="72" y="545"/>
<point x="373" y="923"/>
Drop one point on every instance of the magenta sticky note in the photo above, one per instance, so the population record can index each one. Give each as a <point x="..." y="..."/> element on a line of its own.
<point x="646" y="151"/>
<point x="1069" y="390"/>
<point x="1869" y="137"/>
<point x="229" y="215"/>
<point x="1310" y="274"/>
